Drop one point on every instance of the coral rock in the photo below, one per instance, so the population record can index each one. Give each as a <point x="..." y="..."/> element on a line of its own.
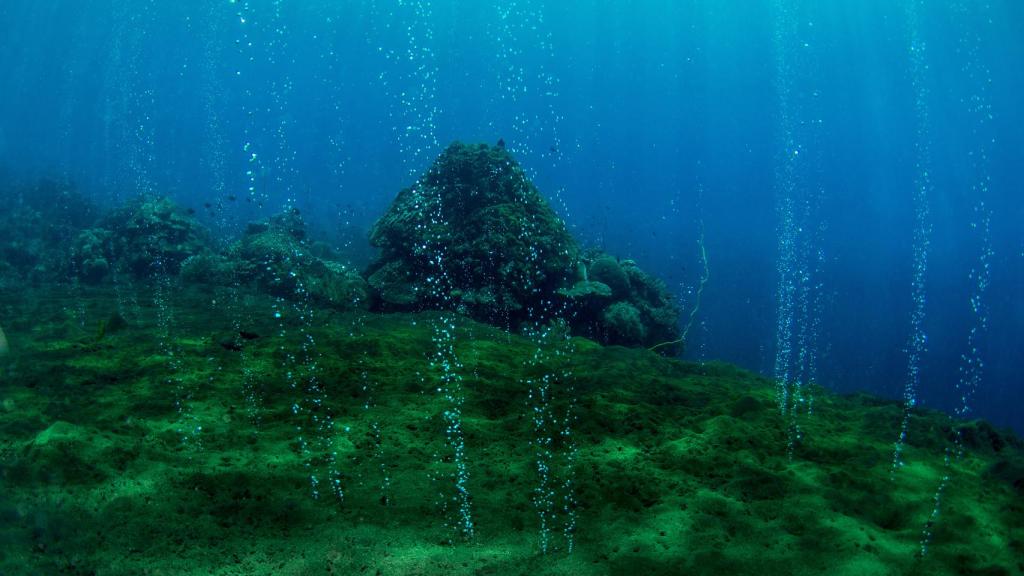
<point x="475" y="236"/>
<point x="502" y="248"/>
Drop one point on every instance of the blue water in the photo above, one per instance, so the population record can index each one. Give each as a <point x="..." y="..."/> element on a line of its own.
<point x="644" y="123"/>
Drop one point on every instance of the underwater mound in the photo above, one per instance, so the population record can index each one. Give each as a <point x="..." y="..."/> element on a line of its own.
<point x="507" y="259"/>
<point x="198" y="432"/>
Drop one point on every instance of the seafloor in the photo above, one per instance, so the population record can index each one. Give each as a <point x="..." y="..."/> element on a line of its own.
<point x="175" y="432"/>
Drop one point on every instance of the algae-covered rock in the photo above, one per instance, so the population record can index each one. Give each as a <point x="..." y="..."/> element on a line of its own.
<point x="585" y="299"/>
<point x="606" y="269"/>
<point x="208" y="268"/>
<point x="275" y="255"/>
<point x="148" y="236"/>
<point x="656" y="305"/>
<point x="474" y="235"/>
<point x="588" y="290"/>
<point x="502" y="249"/>
<point x="90" y="255"/>
<point x="623" y="324"/>
<point x="155" y="235"/>
<point x="394" y="286"/>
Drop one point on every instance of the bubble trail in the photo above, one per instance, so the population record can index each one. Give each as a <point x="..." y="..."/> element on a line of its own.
<point x="554" y="447"/>
<point x="415" y="125"/>
<point x="922" y="190"/>
<point x="416" y="97"/>
<point x="799" y="195"/>
<point x="785" y="184"/>
<point x="369" y="389"/>
<point x="446" y="360"/>
<point x="247" y="45"/>
<point x="525" y="81"/>
<point x="213" y="159"/>
<point x="127" y="142"/>
<point x="315" y="423"/>
<point x="972" y="364"/>
<point x="523" y="49"/>
<point x="188" y="426"/>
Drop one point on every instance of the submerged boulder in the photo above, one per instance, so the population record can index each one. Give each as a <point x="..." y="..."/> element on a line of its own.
<point x="276" y="256"/>
<point x="476" y="236"/>
<point x="473" y="234"/>
<point x="152" y="236"/>
<point x="148" y="236"/>
<point x="644" y="312"/>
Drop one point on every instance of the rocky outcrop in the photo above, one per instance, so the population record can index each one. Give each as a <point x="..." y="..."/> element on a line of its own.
<point x="152" y="236"/>
<point x="474" y="235"/>
<point x="638" y="308"/>
<point x="276" y="256"/>
<point x="149" y="236"/>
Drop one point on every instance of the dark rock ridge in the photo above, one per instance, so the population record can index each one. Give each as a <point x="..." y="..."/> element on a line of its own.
<point x="474" y="235"/>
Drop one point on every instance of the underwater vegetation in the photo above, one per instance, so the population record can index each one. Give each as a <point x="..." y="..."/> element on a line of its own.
<point x="677" y="467"/>
<point x="483" y="399"/>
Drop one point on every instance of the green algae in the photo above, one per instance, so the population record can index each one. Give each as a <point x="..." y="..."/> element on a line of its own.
<point x="680" y="468"/>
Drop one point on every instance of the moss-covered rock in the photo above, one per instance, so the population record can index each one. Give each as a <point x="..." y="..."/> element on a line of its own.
<point x="623" y="323"/>
<point x="90" y="255"/>
<point x="606" y="269"/>
<point x="618" y="303"/>
<point x="474" y="235"/>
<point x="658" y="309"/>
<point x="276" y="256"/>
<point x="501" y="247"/>
<point x="149" y="236"/>
<point x="208" y="268"/>
<point x="394" y="286"/>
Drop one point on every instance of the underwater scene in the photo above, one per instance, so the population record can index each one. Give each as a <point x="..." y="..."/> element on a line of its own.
<point x="524" y="287"/>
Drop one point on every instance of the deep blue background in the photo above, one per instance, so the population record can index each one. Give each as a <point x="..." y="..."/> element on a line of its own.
<point x="639" y="121"/>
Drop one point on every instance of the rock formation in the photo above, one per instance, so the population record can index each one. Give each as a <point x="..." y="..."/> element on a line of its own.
<point x="474" y="235"/>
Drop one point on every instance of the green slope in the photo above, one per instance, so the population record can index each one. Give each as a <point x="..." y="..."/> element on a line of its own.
<point x="661" y="466"/>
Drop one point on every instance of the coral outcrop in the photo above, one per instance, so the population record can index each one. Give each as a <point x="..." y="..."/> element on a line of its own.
<point x="639" y="311"/>
<point x="276" y="256"/>
<point x="148" y="236"/>
<point x="474" y="235"/>
<point x="152" y="236"/>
